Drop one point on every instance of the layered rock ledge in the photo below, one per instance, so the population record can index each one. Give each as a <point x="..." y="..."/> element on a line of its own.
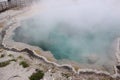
<point x="39" y="59"/>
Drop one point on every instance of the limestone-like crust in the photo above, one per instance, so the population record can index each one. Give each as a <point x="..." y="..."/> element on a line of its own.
<point x="39" y="59"/>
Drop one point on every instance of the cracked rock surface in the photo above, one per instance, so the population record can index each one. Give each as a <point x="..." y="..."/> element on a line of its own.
<point x="18" y="61"/>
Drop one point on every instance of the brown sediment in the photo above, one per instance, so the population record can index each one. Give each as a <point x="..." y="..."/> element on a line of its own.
<point x="9" y="44"/>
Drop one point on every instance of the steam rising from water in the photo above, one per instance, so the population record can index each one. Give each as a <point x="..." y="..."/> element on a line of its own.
<point x="73" y="29"/>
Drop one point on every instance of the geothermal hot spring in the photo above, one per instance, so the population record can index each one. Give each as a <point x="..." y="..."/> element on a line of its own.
<point x="83" y="31"/>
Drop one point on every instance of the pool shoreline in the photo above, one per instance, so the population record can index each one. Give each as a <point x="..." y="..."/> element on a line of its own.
<point x="9" y="44"/>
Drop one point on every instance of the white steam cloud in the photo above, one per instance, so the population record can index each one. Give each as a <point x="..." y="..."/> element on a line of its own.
<point x="76" y="19"/>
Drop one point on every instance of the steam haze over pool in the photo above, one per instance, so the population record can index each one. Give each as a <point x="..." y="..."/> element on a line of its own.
<point x="77" y="30"/>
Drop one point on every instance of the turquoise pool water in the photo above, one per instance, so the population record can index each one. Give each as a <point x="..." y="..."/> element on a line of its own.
<point x="80" y="30"/>
<point x="67" y="42"/>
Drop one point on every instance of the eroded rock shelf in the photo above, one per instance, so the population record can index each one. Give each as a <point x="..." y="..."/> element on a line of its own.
<point x="37" y="60"/>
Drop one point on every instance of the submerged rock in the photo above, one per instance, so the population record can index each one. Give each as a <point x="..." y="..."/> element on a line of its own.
<point x="92" y="59"/>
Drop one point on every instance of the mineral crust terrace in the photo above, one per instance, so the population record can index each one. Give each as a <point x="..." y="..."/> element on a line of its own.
<point x="39" y="59"/>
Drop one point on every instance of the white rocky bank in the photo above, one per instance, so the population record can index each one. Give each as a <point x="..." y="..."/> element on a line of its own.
<point x="15" y="52"/>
